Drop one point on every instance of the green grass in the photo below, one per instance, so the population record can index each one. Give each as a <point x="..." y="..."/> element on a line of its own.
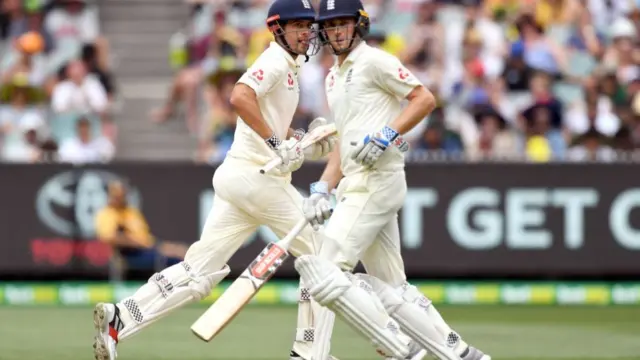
<point x="513" y="333"/>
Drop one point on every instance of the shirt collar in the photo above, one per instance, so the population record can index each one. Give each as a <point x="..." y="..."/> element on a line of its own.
<point x="355" y="53"/>
<point x="285" y="53"/>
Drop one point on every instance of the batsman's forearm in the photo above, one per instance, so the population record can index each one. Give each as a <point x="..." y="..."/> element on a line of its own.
<point x="421" y="103"/>
<point x="245" y="103"/>
<point x="332" y="172"/>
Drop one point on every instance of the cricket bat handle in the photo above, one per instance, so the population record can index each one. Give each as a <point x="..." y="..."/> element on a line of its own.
<point x="271" y="165"/>
<point x="286" y="241"/>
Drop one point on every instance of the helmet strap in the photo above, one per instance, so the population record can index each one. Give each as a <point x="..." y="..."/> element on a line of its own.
<point x="278" y="33"/>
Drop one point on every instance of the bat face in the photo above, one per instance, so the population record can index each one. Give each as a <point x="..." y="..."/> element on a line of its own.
<point x="320" y="133"/>
<point x="269" y="260"/>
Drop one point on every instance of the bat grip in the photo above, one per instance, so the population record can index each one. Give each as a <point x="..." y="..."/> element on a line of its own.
<point x="270" y="165"/>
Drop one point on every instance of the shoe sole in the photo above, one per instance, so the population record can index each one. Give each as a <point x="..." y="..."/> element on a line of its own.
<point x="100" y="350"/>
<point x="420" y="355"/>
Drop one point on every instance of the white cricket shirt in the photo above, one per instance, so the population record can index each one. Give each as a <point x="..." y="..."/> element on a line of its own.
<point x="364" y="95"/>
<point x="274" y="78"/>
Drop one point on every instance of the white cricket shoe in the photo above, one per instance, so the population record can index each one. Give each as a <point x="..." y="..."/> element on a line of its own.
<point x="475" y="354"/>
<point x="295" y="356"/>
<point x="106" y="339"/>
<point x="415" y="353"/>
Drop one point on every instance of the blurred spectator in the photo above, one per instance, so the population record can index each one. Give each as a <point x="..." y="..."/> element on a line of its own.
<point x="86" y="148"/>
<point x="623" y="56"/>
<point x="26" y="144"/>
<point x="495" y="139"/>
<point x="90" y="59"/>
<point x="517" y="73"/>
<point x="219" y="127"/>
<point x="591" y="146"/>
<point x="204" y="57"/>
<point x="544" y="139"/>
<point x="27" y="58"/>
<point x="74" y="23"/>
<point x="540" y="52"/>
<point x="80" y="92"/>
<point x="19" y="109"/>
<point x="424" y="52"/>
<point x="127" y="231"/>
<point x="437" y="138"/>
<point x="24" y="17"/>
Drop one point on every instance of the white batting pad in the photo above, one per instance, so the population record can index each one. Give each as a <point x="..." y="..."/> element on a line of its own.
<point x="166" y="291"/>
<point x="305" y="331"/>
<point x="324" y="321"/>
<point x="414" y="321"/>
<point x="412" y="295"/>
<point x="330" y="287"/>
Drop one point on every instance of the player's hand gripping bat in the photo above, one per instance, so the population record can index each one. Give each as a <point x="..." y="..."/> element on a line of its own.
<point x="315" y="135"/>
<point x="244" y="288"/>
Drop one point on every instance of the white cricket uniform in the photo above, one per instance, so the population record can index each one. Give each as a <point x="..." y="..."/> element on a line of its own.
<point x="364" y="95"/>
<point x="245" y="199"/>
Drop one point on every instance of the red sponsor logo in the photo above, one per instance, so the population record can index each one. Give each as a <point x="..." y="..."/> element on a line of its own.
<point x="403" y="74"/>
<point x="258" y="74"/>
<point x="261" y="268"/>
<point x="290" y="79"/>
<point x="62" y="251"/>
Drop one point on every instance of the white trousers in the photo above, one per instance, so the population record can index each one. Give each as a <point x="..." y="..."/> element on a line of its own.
<point x="364" y="225"/>
<point x="245" y="199"/>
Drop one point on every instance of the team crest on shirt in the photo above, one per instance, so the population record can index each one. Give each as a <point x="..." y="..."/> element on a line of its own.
<point x="290" y="82"/>
<point x="349" y="76"/>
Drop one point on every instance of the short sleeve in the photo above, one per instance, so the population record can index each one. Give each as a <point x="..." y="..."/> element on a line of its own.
<point x="393" y="76"/>
<point x="264" y="74"/>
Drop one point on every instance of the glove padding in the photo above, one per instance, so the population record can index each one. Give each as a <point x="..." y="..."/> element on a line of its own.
<point x="317" y="207"/>
<point x="291" y="154"/>
<point x="322" y="148"/>
<point x="369" y="150"/>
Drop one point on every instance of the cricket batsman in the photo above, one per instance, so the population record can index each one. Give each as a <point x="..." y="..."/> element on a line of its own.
<point x="365" y="89"/>
<point x="265" y="98"/>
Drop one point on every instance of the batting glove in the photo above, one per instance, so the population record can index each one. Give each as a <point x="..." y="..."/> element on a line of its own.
<point x="317" y="207"/>
<point x="322" y="148"/>
<point x="289" y="151"/>
<point x="369" y="150"/>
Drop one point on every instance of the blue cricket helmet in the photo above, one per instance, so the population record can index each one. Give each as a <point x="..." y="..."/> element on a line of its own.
<point x="334" y="9"/>
<point x="282" y="11"/>
<point x="287" y="10"/>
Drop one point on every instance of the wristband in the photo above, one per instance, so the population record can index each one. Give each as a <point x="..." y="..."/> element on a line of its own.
<point x="389" y="133"/>
<point x="319" y="187"/>
<point x="273" y="141"/>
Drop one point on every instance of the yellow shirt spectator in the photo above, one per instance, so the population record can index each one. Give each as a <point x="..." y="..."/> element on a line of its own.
<point x="538" y="149"/>
<point x="394" y="44"/>
<point x="258" y="41"/>
<point x="110" y="220"/>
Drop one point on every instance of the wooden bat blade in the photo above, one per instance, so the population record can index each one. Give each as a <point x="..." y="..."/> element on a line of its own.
<point x="225" y="309"/>
<point x="241" y="291"/>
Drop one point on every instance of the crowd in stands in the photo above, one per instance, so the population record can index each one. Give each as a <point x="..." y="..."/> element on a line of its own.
<point x="526" y="80"/>
<point x="530" y="80"/>
<point x="56" y="91"/>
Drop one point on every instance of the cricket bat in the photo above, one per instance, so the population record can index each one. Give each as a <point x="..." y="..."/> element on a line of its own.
<point x="315" y="135"/>
<point x="242" y="290"/>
